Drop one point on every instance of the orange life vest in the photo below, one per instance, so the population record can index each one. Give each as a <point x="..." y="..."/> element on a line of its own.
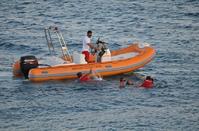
<point x="147" y="84"/>
<point x="84" y="78"/>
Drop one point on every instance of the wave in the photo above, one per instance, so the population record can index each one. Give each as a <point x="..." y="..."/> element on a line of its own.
<point x="196" y="14"/>
<point x="10" y="47"/>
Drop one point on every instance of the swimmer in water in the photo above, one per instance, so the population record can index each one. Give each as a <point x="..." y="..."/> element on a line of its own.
<point x="89" y="76"/>
<point x="148" y="82"/>
<point x="124" y="82"/>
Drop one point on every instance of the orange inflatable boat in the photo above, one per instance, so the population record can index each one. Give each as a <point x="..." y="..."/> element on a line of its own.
<point x="111" y="63"/>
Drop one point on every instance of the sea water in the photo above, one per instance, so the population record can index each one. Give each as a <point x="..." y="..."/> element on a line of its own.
<point x="170" y="26"/>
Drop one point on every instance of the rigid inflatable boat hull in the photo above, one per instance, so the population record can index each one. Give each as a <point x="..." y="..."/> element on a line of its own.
<point x="61" y="72"/>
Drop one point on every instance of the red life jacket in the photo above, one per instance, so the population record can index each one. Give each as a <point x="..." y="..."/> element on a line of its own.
<point x="84" y="78"/>
<point x="147" y="84"/>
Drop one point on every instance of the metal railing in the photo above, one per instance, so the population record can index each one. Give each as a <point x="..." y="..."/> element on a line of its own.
<point x="64" y="49"/>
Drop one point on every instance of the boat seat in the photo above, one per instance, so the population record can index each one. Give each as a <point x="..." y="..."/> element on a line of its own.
<point x="79" y="58"/>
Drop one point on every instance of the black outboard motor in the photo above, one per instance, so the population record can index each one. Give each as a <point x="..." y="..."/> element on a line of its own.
<point x="102" y="47"/>
<point x="27" y="63"/>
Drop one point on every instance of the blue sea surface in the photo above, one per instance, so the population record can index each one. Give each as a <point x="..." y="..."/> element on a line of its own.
<point x="170" y="26"/>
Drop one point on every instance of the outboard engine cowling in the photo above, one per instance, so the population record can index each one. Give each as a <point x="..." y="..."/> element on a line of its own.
<point x="27" y="63"/>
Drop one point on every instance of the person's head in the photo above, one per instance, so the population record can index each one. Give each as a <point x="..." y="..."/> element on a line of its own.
<point x="149" y="78"/>
<point x="122" y="79"/>
<point x="122" y="82"/>
<point x="89" y="34"/>
<point x="79" y="74"/>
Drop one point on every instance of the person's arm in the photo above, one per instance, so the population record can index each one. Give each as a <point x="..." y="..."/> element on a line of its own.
<point x="89" y="73"/>
<point x="92" y="46"/>
<point x="129" y="82"/>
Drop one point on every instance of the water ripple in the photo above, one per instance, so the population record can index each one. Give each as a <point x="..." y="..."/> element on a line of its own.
<point x="169" y="26"/>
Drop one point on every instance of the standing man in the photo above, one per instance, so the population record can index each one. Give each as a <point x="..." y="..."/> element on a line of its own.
<point x="87" y="45"/>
